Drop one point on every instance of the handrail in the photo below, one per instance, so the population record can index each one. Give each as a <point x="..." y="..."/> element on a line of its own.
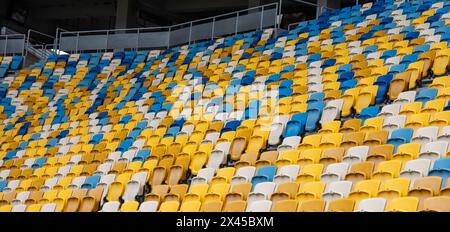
<point x="321" y="10"/>
<point x="13" y="36"/>
<point x="168" y="29"/>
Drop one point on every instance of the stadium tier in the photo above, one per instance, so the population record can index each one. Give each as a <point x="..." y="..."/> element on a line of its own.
<point x="349" y="112"/>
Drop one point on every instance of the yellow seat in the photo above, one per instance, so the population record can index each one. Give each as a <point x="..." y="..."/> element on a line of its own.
<point x="417" y="120"/>
<point x="309" y="156"/>
<point x="372" y="124"/>
<point x="129" y="206"/>
<point x="434" y="106"/>
<point x="169" y="206"/>
<point x="407" y="151"/>
<point x="330" y="127"/>
<point x="310" y="172"/>
<point x="310" y="190"/>
<point x="310" y="141"/>
<point x="411" y="108"/>
<point x="387" y="170"/>
<point x="365" y="189"/>
<point x="190" y="206"/>
<point x="366" y="97"/>
<point x="349" y="97"/>
<point x="341" y="205"/>
<point x="331" y="140"/>
<point x="441" y="62"/>
<point x="34" y="208"/>
<point x="5" y="208"/>
<point x="403" y="204"/>
<point x="394" y="188"/>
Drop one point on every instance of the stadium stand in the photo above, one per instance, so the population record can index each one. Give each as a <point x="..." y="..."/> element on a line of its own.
<point x="349" y="112"/>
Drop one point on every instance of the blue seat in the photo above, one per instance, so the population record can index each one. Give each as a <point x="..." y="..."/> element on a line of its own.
<point x="368" y="112"/>
<point x="266" y="173"/>
<point x="125" y="145"/>
<point x="293" y="128"/>
<point x="16" y="62"/>
<point x="314" y="114"/>
<point x="285" y="92"/>
<point x="426" y="95"/>
<point x="388" y="54"/>
<point x="231" y="126"/>
<point x="441" y="168"/>
<point x="315" y="97"/>
<point x="142" y="155"/>
<point x="172" y="131"/>
<point x="39" y="162"/>
<point x="348" y="85"/>
<point x="91" y="182"/>
<point x="3" y="184"/>
<point x="96" y="139"/>
<point x="400" y="136"/>
<point x="383" y="83"/>
<point x="345" y="76"/>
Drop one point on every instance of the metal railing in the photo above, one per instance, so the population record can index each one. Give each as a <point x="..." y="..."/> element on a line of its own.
<point x="255" y="18"/>
<point x="12" y="44"/>
<point x="37" y="48"/>
<point x="319" y="10"/>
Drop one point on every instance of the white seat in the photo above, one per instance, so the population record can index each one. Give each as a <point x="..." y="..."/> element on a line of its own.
<point x="74" y="160"/>
<point x="112" y="206"/>
<point x="77" y="182"/>
<point x="390" y="110"/>
<point x="204" y="176"/>
<point x="244" y="174"/>
<point x="262" y="191"/>
<point x="373" y="56"/>
<point x="276" y="131"/>
<point x="189" y="128"/>
<point x="432" y="39"/>
<point x="433" y="150"/>
<point x="4" y="174"/>
<point x="336" y="190"/>
<point x="289" y="143"/>
<point x="394" y="122"/>
<point x="48" y="208"/>
<point x="224" y="147"/>
<point x="372" y="205"/>
<point x="19" y="208"/>
<point x="216" y="159"/>
<point x="212" y="137"/>
<point x="356" y="154"/>
<point x="21" y="198"/>
<point x="141" y="179"/>
<point x="287" y="173"/>
<point x="445" y="134"/>
<point x="140" y="143"/>
<point x="392" y="61"/>
<point x="103" y="169"/>
<point x="406" y="97"/>
<point x="12" y="185"/>
<point x="49" y="183"/>
<point x="425" y="134"/>
<point x="113" y="157"/>
<point x="332" y="111"/>
<point x="62" y="171"/>
<point x="414" y="169"/>
<point x="128" y="156"/>
<point x="335" y="172"/>
<point x="259" y="206"/>
<point x="131" y="191"/>
<point x="317" y="88"/>
<point x="148" y="206"/>
<point x="106" y="180"/>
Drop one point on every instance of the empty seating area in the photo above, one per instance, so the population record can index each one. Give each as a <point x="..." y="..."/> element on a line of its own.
<point x="346" y="113"/>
